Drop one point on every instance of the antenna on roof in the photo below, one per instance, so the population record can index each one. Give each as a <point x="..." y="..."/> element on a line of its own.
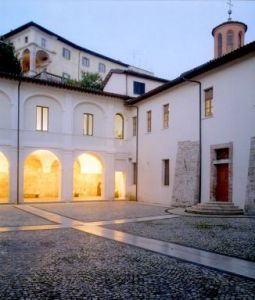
<point x="229" y="9"/>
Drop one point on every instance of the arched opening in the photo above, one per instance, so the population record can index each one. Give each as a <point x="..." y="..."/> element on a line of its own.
<point x="119" y="192"/>
<point x="119" y="126"/>
<point x="219" y="44"/>
<point x="26" y="61"/>
<point x="87" y="178"/>
<point x="240" y="39"/>
<point x="4" y="179"/>
<point x="230" y="40"/>
<point x="42" y="60"/>
<point x="41" y="177"/>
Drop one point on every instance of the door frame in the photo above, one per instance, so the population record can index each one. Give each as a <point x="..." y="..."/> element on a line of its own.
<point x="213" y="174"/>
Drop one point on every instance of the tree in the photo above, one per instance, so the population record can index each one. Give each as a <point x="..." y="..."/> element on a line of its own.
<point x="9" y="63"/>
<point x="89" y="80"/>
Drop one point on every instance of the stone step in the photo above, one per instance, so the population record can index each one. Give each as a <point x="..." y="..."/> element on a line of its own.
<point x="214" y="212"/>
<point x="215" y="208"/>
<point x="217" y="203"/>
<point x="204" y="206"/>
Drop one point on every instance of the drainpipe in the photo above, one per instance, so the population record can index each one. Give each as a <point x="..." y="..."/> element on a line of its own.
<point x="18" y="141"/>
<point x="200" y="135"/>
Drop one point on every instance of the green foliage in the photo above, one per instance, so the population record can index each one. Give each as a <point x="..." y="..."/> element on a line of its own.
<point x="9" y="63"/>
<point x="89" y="80"/>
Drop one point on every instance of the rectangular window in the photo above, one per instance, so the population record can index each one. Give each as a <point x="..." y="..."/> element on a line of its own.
<point x="42" y="118"/>
<point x="165" y="116"/>
<point x="134" y="126"/>
<point x="101" y="68"/>
<point x="166" y="172"/>
<point x="43" y="43"/>
<point x="138" y="88"/>
<point x="208" y="102"/>
<point x="149" y="121"/>
<point x="66" y="53"/>
<point x="26" y="39"/>
<point x="88" y="124"/>
<point x="134" y="173"/>
<point x="85" y="61"/>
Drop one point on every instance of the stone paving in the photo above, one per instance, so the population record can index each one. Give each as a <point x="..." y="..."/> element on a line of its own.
<point x="228" y="236"/>
<point x="103" y="210"/>
<point x="11" y="216"/>
<point x="68" y="264"/>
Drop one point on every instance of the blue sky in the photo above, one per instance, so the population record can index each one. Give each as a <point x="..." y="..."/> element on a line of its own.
<point x="167" y="37"/>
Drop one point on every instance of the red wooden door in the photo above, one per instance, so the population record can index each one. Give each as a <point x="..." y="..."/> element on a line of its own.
<point x="222" y="183"/>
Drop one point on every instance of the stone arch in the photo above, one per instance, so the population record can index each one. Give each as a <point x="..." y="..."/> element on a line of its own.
<point x="4" y="178"/>
<point x="88" y="177"/>
<point x="41" y="60"/>
<point x="42" y="176"/>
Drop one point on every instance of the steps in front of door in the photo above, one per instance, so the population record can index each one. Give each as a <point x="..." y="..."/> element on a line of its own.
<point x="215" y="208"/>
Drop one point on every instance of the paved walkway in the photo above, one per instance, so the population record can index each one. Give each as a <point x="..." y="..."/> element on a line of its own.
<point x="216" y="261"/>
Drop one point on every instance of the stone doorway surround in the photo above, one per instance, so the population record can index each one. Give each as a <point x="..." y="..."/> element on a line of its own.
<point x="213" y="173"/>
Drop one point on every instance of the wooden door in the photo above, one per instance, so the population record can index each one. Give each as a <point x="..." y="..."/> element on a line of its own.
<point x="222" y="182"/>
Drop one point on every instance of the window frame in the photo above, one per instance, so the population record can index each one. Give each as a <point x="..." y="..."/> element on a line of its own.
<point x="42" y="123"/>
<point x="166" y="113"/>
<point x="26" y="39"/>
<point x="43" y="42"/>
<point x="85" y="61"/>
<point x="230" y="40"/>
<point x="166" y="172"/>
<point x="101" y="68"/>
<point x="66" y="53"/>
<point x="121" y="137"/>
<point x="148" y="121"/>
<point x="138" y="88"/>
<point x="87" y="130"/>
<point x="134" y="164"/>
<point x="219" y="44"/>
<point x="134" y="124"/>
<point x="208" y="102"/>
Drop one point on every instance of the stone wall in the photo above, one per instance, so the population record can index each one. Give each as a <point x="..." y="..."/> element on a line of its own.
<point x="186" y="179"/>
<point x="250" y="192"/>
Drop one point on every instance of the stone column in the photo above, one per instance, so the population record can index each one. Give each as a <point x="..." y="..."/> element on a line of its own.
<point x="67" y="177"/>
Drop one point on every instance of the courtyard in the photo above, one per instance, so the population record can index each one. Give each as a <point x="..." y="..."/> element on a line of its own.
<point x="123" y="250"/>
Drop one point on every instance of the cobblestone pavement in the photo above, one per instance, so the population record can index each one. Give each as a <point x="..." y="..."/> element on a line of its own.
<point x="68" y="264"/>
<point x="11" y="216"/>
<point x="103" y="210"/>
<point x="229" y="236"/>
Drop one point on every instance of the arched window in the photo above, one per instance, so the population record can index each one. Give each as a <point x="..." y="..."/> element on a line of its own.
<point x="119" y="126"/>
<point x="26" y="61"/>
<point x="230" y="42"/>
<point x="240" y="39"/>
<point x="219" y="44"/>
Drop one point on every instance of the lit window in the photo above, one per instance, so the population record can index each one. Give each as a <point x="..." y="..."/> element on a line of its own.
<point x="66" y="75"/>
<point x="240" y="39"/>
<point x="119" y="127"/>
<point x="134" y="126"/>
<point x="134" y="173"/>
<point x="43" y="43"/>
<point x="85" y="61"/>
<point x="230" y="43"/>
<point x="165" y="116"/>
<point x="209" y="102"/>
<point x="138" y="88"/>
<point x="42" y="118"/>
<point x="101" y="68"/>
<point x="219" y="44"/>
<point x="88" y="124"/>
<point x="148" y="121"/>
<point x="26" y="39"/>
<point x="166" y="171"/>
<point x="66" y="53"/>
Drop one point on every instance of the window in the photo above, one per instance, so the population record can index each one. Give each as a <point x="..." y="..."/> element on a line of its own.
<point x="208" y="102"/>
<point x="134" y="173"/>
<point x="119" y="127"/>
<point x="26" y="39"/>
<point x="219" y="44"/>
<point x="42" y="118"/>
<point x="43" y="43"/>
<point x="166" y="171"/>
<point x="222" y="153"/>
<point x="134" y="126"/>
<point x="165" y="116"/>
<point x="240" y="39"/>
<point x="230" y="44"/>
<point x="101" y="68"/>
<point x="88" y="124"/>
<point x="66" y="75"/>
<point x="148" y="121"/>
<point x="85" y="61"/>
<point x="66" y="53"/>
<point x="138" y="88"/>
